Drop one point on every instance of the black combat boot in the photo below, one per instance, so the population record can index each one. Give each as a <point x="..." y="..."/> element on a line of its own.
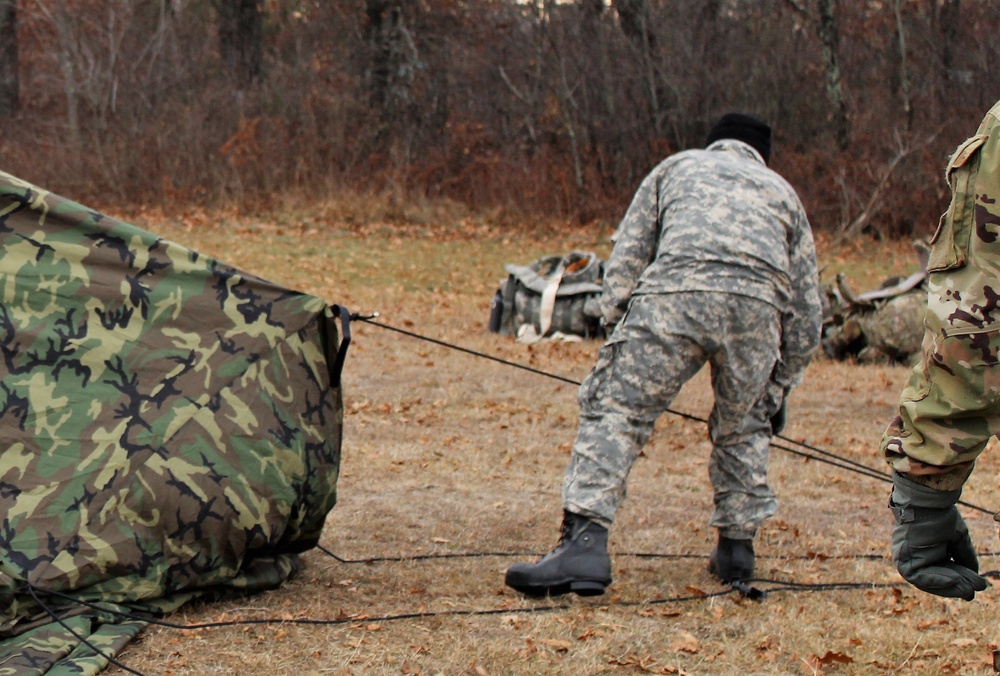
<point x="732" y="560"/>
<point x="580" y="563"/>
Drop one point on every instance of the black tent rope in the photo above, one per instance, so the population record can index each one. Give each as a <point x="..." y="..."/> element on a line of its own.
<point x="744" y="589"/>
<point x="777" y="586"/>
<point x="33" y="591"/>
<point x="637" y="555"/>
<point x="816" y="453"/>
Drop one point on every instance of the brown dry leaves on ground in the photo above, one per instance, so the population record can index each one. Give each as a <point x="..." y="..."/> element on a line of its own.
<point x="452" y="468"/>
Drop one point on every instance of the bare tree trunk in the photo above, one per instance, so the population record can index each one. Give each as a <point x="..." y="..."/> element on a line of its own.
<point x="241" y="32"/>
<point x="947" y="18"/>
<point x="63" y="24"/>
<point x="567" y="106"/>
<point x="634" y="17"/>
<point x="69" y="78"/>
<point x="904" y="73"/>
<point x="635" y="23"/>
<point x="829" y="39"/>
<point x="592" y="9"/>
<point x="394" y="59"/>
<point x="383" y="16"/>
<point x="603" y="105"/>
<point x="9" y="80"/>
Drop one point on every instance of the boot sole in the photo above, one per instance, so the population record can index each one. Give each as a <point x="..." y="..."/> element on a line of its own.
<point x="578" y="587"/>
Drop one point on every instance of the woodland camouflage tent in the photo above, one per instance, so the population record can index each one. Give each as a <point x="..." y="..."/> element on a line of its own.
<point x="171" y="427"/>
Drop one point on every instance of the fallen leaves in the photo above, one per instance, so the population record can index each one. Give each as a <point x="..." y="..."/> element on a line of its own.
<point x="590" y="633"/>
<point x="685" y="642"/>
<point x="558" y="645"/>
<point x="815" y="664"/>
<point x="932" y="623"/>
<point x="832" y="657"/>
<point x="647" y="664"/>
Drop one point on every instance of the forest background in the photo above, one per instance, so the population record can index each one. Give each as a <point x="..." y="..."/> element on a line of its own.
<point x="527" y="110"/>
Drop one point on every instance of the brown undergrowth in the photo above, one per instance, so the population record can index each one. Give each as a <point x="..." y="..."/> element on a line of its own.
<point x="452" y="468"/>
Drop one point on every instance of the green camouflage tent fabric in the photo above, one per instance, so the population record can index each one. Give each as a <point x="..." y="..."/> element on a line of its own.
<point x="171" y="427"/>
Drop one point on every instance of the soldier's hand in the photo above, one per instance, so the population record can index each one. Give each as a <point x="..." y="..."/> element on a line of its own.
<point x="779" y="418"/>
<point x="931" y="546"/>
<point x="609" y="324"/>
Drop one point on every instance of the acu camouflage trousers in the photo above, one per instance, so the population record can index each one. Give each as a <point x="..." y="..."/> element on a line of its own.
<point x="661" y="343"/>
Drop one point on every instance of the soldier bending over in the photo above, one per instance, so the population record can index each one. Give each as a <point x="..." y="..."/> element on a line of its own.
<point x="714" y="262"/>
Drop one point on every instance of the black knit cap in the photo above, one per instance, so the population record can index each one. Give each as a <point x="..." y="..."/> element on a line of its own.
<point x="744" y="128"/>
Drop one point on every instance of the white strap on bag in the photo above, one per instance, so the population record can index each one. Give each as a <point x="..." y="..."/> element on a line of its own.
<point x="548" y="302"/>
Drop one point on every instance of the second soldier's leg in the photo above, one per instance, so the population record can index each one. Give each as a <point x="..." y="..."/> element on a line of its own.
<point x="738" y="470"/>
<point x="740" y="430"/>
<point x="638" y="374"/>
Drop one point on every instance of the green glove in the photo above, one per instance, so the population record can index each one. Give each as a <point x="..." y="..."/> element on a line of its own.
<point x="931" y="546"/>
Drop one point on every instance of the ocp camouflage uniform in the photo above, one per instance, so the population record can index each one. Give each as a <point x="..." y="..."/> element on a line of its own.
<point x="950" y="406"/>
<point x="714" y="262"/>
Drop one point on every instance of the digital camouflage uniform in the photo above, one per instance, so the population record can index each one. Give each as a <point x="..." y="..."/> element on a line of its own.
<point x="714" y="262"/>
<point x="950" y="406"/>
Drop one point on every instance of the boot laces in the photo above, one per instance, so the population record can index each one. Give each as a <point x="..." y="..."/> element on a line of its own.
<point x="572" y="528"/>
<point x="566" y="531"/>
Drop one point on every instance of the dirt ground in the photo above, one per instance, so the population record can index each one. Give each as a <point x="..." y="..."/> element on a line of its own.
<point x="452" y="469"/>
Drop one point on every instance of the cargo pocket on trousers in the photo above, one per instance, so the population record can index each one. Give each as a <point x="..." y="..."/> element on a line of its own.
<point x="919" y="384"/>
<point x="592" y="385"/>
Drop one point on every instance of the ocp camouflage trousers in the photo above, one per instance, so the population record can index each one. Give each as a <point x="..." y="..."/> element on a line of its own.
<point x="660" y="344"/>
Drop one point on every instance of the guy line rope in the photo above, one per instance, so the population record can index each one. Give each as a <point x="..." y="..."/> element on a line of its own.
<point x="820" y="454"/>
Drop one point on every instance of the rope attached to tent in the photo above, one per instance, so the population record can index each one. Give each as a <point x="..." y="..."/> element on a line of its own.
<point x="33" y="591"/>
<point x="776" y="586"/>
<point x="811" y="452"/>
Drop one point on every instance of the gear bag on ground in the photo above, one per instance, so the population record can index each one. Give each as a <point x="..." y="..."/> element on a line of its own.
<point x="551" y="297"/>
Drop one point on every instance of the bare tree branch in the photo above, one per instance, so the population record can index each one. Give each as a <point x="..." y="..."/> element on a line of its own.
<point x="798" y="7"/>
<point x="864" y="219"/>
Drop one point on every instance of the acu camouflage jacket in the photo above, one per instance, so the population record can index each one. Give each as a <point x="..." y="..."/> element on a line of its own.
<point x="719" y="219"/>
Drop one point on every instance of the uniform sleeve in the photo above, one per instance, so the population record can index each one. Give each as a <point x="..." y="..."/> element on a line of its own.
<point x="801" y="324"/>
<point x="635" y="246"/>
<point x="947" y="412"/>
